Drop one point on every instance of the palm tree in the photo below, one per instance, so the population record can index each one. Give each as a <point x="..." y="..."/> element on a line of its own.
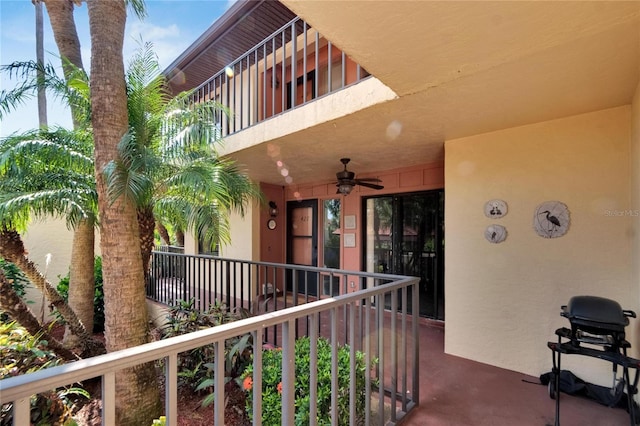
<point x="42" y="99"/>
<point x="137" y="395"/>
<point x="12" y="304"/>
<point x="168" y="163"/>
<point x="82" y="279"/>
<point x="81" y="274"/>
<point x="46" y="174"/>
<point x="74" y="90"/>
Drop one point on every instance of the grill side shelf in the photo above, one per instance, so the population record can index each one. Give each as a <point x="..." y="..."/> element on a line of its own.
<point x="572" y="348"/>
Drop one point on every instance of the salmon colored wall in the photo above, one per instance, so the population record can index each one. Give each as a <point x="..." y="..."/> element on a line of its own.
<point x="413" y="179"/>
<point x="323" y="58"/>
<point x="272" y="242"/>
<point x="503" y="300"/>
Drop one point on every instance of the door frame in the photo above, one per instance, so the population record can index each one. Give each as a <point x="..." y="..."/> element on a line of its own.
<point x="310" y="280"/>
<point x="438" y="249"/>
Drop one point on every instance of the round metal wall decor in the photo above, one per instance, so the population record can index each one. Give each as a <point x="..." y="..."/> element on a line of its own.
<point x="495" y="209"/>
<point x="495" y="233"/>
<point x="551" y="219"/>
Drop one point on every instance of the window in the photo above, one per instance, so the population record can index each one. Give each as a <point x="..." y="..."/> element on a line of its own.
<point x="331" y="245"/>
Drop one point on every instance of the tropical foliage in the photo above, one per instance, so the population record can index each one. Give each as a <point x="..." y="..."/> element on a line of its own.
<point x="98" y="296"/>
<point x="272" y="384"/>
<point x="168" y="161"/>
<point x="195" y="367"/>
<point x="15" y="276"/>
<point x="22" y="353"/>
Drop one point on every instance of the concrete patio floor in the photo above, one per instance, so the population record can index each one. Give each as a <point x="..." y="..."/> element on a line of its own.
<point x="456" y="391"/>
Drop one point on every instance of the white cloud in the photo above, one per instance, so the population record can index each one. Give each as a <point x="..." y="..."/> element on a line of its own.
<point x="149" y="31"/>
<point x="166" y="41"/>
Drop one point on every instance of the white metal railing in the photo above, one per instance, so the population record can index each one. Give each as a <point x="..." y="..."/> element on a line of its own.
<point x="389" y="341"/>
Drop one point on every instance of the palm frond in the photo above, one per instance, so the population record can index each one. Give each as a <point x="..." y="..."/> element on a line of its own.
<point x="128" y="176"/>
<point x="34" y="76"/>
<point x="138" y="8"/>
<point x="71" y="203"/>
<point x="48" y="173"/>
<point x="49" y="151"/>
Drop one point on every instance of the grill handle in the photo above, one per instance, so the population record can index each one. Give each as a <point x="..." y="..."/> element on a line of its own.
<point x="628" y="313"/>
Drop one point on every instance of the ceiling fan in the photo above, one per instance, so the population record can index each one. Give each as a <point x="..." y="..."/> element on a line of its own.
<point x="347" y="180"/>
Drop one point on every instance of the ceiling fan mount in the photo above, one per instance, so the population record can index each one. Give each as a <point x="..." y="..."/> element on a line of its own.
<point x="347" y="180"/>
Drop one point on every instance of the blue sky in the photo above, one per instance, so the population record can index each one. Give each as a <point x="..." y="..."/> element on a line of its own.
<point x="171" y="25"/>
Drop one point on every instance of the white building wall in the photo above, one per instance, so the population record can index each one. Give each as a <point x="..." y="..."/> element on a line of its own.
<point x="635" y="200"/>
<point x="503" y="300"/>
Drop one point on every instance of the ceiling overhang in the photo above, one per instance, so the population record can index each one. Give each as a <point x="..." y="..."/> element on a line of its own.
<point x="455" y="68"/>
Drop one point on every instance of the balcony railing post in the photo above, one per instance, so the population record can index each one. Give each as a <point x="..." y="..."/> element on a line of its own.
<point x="416" y="343"/>
<point x="288" y="373"/>
<point x="21" y="412"/>
<point x="171" y="389"/>
<point x="109" y="399"/>
<point x="218" y="387"/>
<point x="334" y="366"/>
<point x="228" y="280"/>
<point x="394" y="354"/>
<point x="294" y="68"/>
<point x="352" y="367"/>
<point x="313" y="368"/>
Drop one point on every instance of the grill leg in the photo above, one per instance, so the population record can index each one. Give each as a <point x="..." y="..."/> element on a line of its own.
<point x="631" y="391"/>
<point x="556" y="380"/>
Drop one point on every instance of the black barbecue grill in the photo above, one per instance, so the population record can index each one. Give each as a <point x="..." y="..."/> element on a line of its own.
<point x="597" y="330"/>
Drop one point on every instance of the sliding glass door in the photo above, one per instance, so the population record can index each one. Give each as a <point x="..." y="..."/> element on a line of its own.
<point x="405" y="235"/>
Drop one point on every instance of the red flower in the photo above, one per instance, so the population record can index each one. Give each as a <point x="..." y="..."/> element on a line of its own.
<point x="279" y="387"/>
<point x="247" y="383"/>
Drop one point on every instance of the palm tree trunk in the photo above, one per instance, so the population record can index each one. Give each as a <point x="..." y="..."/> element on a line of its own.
<point x="12" y="249"/>
<point x="180" y="237"/>
<point x="137" y="395"/>
<point x="42" y="98"/>
<point x="64" y="31"/>
<point x="82" y="279"/>
<point x="11" y="303"/>
<point x="164" y="233"/>
<point x="147" y="224"/>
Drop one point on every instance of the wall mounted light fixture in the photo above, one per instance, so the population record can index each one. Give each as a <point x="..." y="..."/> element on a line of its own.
<point x="273" y="209"/>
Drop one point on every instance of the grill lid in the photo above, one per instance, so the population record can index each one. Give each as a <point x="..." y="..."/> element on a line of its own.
<point x="596" y="311"/>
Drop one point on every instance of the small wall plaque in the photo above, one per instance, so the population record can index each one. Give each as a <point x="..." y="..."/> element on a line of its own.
<point x="350" y="240"/>
<point x="495" y="233"/>
<point x="495" y="209"/>
<point x="350" y="221"/>
<point x="551" y="219"/>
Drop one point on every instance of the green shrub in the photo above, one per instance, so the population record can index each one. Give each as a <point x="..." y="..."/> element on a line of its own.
<point x="14" y="276"/>
<point x="17" y="279"/>
<point x="272" y="384"/>
<point x="195" y="367"/>
<point x="22" y="353"/>
<point x="98" y="296"/>
<point x="162" y="421"/>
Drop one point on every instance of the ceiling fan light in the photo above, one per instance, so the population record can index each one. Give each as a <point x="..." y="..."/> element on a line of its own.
<point x="345" y="189"/>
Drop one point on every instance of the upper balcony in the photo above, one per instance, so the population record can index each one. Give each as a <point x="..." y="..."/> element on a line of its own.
<point x="293" y="66"/>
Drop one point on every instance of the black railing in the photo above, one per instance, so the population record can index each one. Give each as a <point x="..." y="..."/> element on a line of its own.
<point x="294" y="66"/>
<point x="254" y="287"/>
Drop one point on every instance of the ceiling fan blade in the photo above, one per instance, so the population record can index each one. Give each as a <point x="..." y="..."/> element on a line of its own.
<point x="368" y="180"/>
<point x="369" y="185"/>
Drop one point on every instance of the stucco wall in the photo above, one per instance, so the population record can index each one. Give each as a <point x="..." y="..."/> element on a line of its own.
<point x="49" y="237"/>
<point x="503" y="300"/>
<point x="243" y="230"/>
<point x="635" y="200"/>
